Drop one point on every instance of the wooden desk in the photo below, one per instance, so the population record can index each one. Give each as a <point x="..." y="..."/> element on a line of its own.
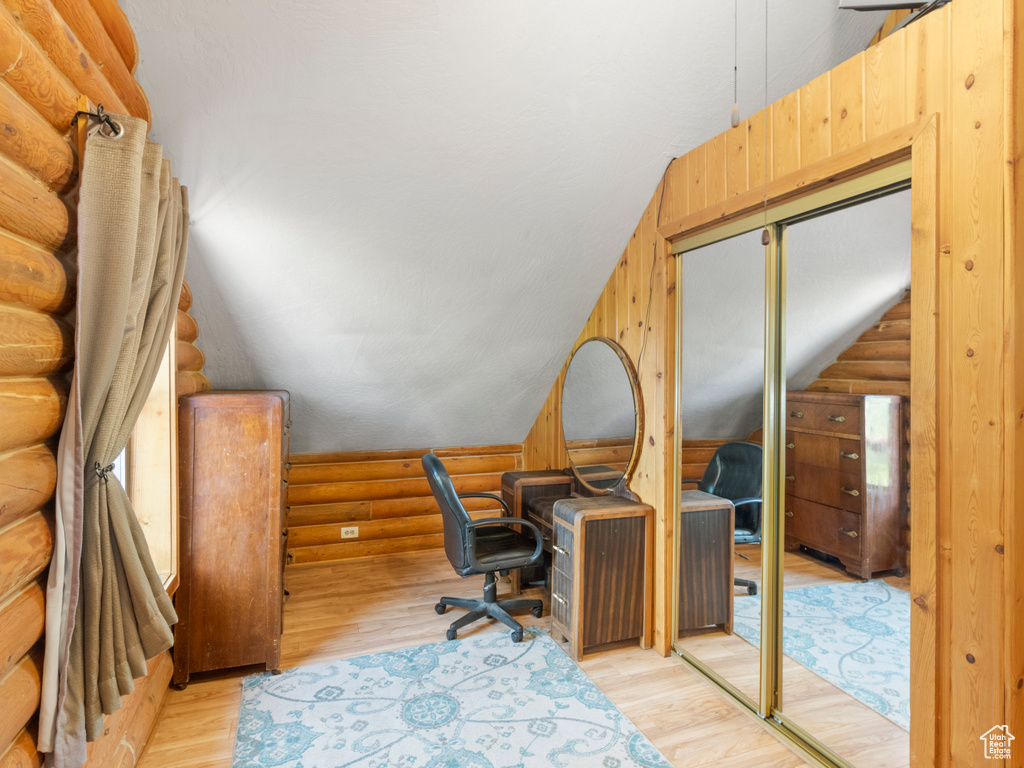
<point x="705" y="562"/>
<point x="519" y="488"/>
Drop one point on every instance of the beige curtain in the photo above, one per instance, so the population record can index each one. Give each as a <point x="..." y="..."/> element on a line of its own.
<point x="107" y="611"/>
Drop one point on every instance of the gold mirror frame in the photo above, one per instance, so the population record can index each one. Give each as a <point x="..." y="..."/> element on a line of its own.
<point x="638" y="418"/>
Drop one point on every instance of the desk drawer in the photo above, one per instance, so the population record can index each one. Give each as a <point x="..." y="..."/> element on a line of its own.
<point x="563" y="548"/>
<point x="561" y="598"/>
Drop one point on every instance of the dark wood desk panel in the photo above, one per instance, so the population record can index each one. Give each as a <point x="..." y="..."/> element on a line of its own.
<point x="705" y="562"/>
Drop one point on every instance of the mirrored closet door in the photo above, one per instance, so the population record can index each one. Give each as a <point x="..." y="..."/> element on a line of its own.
<point x="721" y="406"/>
<point x="845" y="601"/>
<point x="817" y="640"/>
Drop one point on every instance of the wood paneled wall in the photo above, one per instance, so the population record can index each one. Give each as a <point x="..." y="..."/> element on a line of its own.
<point x="961" y="66"/>
<point x="51" y="52"/>
<point x="385" y="496"/>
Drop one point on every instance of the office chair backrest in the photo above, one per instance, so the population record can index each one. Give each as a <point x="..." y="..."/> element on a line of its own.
<point x="453" y="514"/>
<point x="734" y="472"/>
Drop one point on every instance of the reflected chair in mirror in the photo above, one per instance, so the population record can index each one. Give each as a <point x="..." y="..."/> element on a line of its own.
<point x="486" y="546"/>
<point x="734" y="473"/>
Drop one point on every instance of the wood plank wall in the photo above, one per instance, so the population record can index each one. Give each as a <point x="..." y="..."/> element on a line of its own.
<point x="961" y="63"/>
<point x="51" y="52"/>
<point x="385" y="496"/>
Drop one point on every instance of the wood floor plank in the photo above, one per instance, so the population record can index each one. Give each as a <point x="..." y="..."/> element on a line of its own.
<point x="350" y="608"/>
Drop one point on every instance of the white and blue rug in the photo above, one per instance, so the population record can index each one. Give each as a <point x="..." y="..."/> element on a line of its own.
<point x="481" y="702"/>
<point x="856" y="635"/>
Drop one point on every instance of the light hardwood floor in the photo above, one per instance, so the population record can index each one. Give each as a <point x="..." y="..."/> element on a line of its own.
<point x="851" y="729"/>
<point x="346" y="609"/>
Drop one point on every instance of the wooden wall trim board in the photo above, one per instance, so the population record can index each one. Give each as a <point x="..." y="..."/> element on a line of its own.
<point x="385" y="497"/>
<point x="945" y="87"/>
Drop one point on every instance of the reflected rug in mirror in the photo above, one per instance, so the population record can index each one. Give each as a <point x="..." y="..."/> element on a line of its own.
<point x="480" y="702"/>
<point x="855" y="634"/>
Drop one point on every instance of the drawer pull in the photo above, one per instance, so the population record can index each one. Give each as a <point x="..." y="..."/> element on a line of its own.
<point x="850" y="491"/>
<point x="791" y="477"/>
<point x="797" y="414"/>
<point x="558" y="597"/>
<point x="846" y="455"/>
<point x="562" y="551"/>
<point x="789" y="513"/>
<point x="790" y="446"/>
<point x="851" y="534"/>
<point x="840" y="419"/>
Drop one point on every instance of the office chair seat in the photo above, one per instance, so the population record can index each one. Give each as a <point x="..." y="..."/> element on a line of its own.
<point x="482" y="546"/>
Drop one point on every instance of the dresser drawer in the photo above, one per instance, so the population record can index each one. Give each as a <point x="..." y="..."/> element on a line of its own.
<point x="831" y="487"/>
<point x="824" y="417"/>
<point x="825" y="451"/>
<point x="812" y="524"/>
<point x="851" y="535"/>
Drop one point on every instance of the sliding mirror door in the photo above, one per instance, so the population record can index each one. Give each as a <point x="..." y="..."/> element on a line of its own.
<point x="722" y="293"/>
<point x="845" y="602"/>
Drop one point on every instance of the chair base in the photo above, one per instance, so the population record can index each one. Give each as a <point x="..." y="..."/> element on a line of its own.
<point x="750" y="585"/>
<point x="489" y="606"/>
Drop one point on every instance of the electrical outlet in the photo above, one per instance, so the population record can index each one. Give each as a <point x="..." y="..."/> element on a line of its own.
<point x="351" y="532"/>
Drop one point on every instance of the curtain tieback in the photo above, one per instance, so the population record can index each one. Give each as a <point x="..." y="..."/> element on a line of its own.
<point x="103" y="472"/>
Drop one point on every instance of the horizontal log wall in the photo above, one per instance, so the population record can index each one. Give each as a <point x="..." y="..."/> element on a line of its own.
<point x="385" y="496"/>
<point x="51" y="53"/>
<point x="960" y="66"/>
<point x="189" y="377"/>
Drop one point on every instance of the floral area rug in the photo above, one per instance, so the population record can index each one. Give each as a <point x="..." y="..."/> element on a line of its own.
<point x="481" y="702"/>
<point x="856" y="635"/>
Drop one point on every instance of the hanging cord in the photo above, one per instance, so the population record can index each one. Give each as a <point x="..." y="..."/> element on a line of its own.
<point x="735" y="63"/>
<point x="765" y="237"/>
<point x="654" y="263"/>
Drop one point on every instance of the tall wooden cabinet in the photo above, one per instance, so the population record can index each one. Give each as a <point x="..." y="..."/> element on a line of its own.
<point x="846" y="477"/>
<point x="233" y="449"/>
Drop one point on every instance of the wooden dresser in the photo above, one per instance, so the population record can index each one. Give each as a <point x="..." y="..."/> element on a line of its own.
<point x="845" y="478"/>
<point x="602" y="576"/>
<point x="233" y="457"/>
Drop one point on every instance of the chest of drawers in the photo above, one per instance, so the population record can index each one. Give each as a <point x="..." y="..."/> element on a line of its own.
<point x="845" y="478"/>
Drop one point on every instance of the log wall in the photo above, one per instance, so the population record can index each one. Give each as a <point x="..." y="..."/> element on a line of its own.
<point x="960" y="67"/>
<point x="51" y="53"/>
<point x="385" y="496"/>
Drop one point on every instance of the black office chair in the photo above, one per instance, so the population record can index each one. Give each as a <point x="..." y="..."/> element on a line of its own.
<point x="735" y="474"/>
<point x="482" y="546"/>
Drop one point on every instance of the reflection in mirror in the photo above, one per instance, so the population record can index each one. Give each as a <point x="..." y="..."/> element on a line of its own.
<point x="846" y="593"/>
<point x="599" y="413"/>
<point x="722" y="290"/>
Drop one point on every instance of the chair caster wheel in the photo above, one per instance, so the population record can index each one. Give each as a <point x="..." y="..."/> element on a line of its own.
<point x="517" y="635"/>
<point x="538" y="612"/>
<point x="439" y="609"/>
<point x="450" y="634"/>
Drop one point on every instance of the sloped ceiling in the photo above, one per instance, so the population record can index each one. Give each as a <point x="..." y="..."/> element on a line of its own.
<point x="844" y="270"/>
<point x="403" y="211"/>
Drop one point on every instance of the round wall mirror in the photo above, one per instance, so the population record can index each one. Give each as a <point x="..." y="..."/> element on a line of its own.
<point x="602" y="419"/>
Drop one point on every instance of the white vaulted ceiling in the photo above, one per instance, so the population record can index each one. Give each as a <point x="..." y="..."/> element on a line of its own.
<point x="403" y="211"/>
